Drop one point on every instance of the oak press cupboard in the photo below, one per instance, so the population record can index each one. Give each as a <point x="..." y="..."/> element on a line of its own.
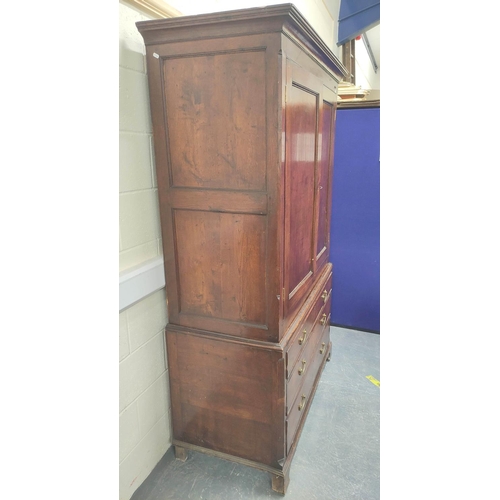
<point x="243" y="107"/>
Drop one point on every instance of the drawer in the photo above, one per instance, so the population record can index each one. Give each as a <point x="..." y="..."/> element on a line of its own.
<point x="300" y="337"/>
<point x="302" y="367"/>
<point x="297" y="409"/>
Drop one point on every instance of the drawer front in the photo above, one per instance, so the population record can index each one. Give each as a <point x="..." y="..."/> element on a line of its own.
<point x="303" y="333"/>
<point x="296" y="410"/>
<point x="302" y="367"/>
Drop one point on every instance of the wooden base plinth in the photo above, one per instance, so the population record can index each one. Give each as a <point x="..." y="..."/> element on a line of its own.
<point x="280" y="483"/>
<point x="180" y="453"/>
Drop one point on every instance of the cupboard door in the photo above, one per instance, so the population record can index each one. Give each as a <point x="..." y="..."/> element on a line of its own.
<point x="302" y="118"/>
<point x="309" y="128"/>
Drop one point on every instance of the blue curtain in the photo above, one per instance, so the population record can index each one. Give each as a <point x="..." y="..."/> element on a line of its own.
<point x="356" y="17"/>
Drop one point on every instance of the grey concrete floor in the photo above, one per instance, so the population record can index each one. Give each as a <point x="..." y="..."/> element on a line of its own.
<point x="338" y="455"/>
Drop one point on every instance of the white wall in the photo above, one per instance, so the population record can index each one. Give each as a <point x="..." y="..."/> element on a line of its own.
<point x="365" y="74"/>
<point x="140" y="235"/>
<point x="144" y="402"/>
<point x="144" y="398"/>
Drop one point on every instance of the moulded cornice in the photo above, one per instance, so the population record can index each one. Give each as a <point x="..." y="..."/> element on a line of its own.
<point x="282" y="17"/>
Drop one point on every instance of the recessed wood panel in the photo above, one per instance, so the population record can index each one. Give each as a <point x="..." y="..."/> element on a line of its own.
<point x="302" y="109"/>
<point x="216" y="120"/>
<point x="224" y="393"/>
<point x="221" y="265"/>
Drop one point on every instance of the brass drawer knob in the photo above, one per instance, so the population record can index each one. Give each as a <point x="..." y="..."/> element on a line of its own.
<point x="324" y="296"/>
<point x="323" y="320"/>
<point x="303" y="369"/>
<point x="303" y="338"/>
<point x="302" y="402"/>
<point x="322" y="350"/>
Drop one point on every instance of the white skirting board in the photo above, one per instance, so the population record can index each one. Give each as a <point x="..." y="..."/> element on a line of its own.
<point x="141" y="281"/>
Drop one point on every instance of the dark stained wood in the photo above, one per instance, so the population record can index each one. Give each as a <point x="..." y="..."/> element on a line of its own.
<point x="305" y="410"/>
<point x="222" y="265"/>
<point x="302" y="134"/>
<point x="212" y="201"/>
<point x="321" y="294"/>
<point x="305" y="174"/>
<point x="193" y="175"/>
<point x="216" y="114"/>
<point x="315" y="359"/>
<point x="243" y="109"/>
<point x="304" y="366"/>
<point x="324" y="178"/>
<point x="226" y="392"/>
<point x="349" y="60"/>
<point x="273" y="18"/>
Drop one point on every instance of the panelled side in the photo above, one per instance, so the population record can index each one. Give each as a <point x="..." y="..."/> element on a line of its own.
<point x="218" y="122"/>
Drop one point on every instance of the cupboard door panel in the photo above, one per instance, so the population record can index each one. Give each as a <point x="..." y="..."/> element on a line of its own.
<point x="324" y="181"/>
<point x="302" y="111"/>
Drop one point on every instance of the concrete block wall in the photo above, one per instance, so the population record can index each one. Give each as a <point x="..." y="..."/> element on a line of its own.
<point x="144" y="402"/>
<point x="144" y="398"/>
<point x="140" y="234"/>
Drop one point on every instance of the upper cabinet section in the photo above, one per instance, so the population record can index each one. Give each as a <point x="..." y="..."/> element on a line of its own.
<point x="242" y="140"/>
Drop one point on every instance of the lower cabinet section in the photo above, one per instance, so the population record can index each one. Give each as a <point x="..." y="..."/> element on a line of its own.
<point x="227" y="396"/>
<point x="246" y="400"/>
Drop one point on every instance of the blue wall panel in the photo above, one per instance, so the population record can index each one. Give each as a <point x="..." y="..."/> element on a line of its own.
<point x="355" y="223"/>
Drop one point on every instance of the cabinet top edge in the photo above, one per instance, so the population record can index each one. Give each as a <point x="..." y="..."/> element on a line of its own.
<point x="281" y="18"/>
<point x="227" y="16"/>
